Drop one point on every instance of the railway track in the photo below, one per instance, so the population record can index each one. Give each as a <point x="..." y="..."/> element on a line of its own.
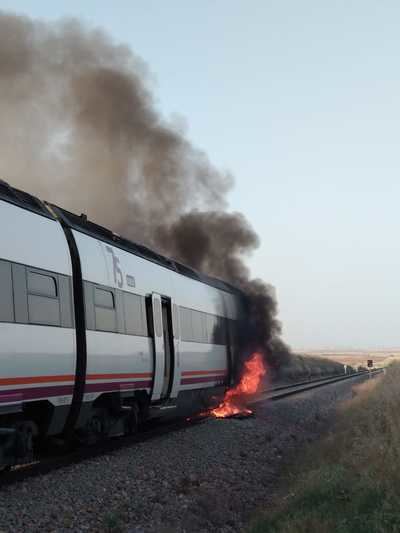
<point x="44" y="464"/>
<point x="282" y="391"/>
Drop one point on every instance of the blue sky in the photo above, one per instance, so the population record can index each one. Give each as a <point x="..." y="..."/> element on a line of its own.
<point x="300" y="101"/>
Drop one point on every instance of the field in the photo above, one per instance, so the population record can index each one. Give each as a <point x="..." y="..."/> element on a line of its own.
<point x="349" y="482"/>
<point x="357" y="358"/>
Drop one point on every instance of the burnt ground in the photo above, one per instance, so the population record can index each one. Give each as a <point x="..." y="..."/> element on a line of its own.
<point x="212" y="477"/>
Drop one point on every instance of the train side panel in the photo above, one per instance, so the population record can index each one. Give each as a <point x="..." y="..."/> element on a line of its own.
<point x="31" y="239"/>
<point x="37" y="335"/>
<point x="117" y="363"/>
<point x="198" y="330"/>
<point x="119" y="347"/>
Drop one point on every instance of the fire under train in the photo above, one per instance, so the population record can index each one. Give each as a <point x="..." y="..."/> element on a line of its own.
<point x="97" y="332"/>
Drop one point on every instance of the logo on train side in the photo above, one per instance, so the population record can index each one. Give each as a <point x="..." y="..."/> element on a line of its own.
<point x="118" y="275"/>
<point x="130" y="281"/>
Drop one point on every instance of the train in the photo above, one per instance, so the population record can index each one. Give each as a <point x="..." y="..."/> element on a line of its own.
<point x="99" y="333"/>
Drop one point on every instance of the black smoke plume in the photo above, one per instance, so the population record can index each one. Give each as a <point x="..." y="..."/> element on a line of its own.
<point x="79" y="127"/>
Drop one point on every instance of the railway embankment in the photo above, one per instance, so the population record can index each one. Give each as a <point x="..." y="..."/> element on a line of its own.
<point x="299" y="367"/>
<point x="212" y="477"/>
<point x="350" y="481"/>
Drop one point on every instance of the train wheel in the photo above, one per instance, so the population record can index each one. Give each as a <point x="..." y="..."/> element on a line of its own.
<point x="131" y="421"/>
<point x="25" y="440"/>
<point x="95" y="428"/>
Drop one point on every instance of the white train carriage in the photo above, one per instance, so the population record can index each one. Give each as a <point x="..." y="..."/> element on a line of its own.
<point x="97" y="331"/>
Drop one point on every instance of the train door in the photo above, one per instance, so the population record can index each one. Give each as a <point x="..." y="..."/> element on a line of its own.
<point x="163" y="347"/>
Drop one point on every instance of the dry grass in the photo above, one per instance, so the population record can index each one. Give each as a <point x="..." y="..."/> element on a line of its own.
<point x="349" y="483"/>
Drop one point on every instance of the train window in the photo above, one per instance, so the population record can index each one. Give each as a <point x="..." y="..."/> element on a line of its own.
<point x="158" y="326"/>
<point x="186" y="324"/>
<point x="199" y="326"/>
<point x="42" y="284"/>
<point x="219" y="334"/>
<point x="43" y="310"/>
<point x="175" y="321"/>
<point x="43" y="302"/>
<point x="104" y="310"/>
<point x="211" y="325"/>
<point x="65" y="295"/>
<point x="6" y="291"/>
<point x="104" y="298"/>
<point x="89" y="305"/>
<point x="233" y="333"/>
<point x="135" y="314"/>
<point x="216" y="329"/>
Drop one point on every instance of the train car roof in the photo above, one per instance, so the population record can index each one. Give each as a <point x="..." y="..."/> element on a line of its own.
<point x="81" y="223"/>
<point x="24" y="200"/>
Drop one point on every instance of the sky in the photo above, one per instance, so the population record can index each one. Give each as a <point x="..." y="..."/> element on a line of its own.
<point x="300" y="102"/>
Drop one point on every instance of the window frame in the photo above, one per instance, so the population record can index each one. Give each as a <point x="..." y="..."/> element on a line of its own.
<point x="57" y="298"/>
<point x="143" y="314"/>
<point x="11" y="320"/>
<point x="218" y="319"/>
<point x="44" y="273"/>
<point x="110" y="291"/>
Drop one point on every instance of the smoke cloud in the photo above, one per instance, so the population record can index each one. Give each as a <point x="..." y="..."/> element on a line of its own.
<point x="80" y="128"/>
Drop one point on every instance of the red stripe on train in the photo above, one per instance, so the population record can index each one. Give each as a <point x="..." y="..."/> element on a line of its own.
<point x="91" y="377"/>
<point x="21" y="395"/>
<point x="201" y="372"/>
<point x="33" y="380"/>
<point x="207" y="379"/>
<point x="117" y="386"/>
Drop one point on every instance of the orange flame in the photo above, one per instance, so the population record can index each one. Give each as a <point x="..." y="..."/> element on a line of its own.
<point x="235" y="399"/>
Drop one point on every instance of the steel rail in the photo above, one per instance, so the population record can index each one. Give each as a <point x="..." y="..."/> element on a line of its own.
<point x="283" y="391"/>
<point x="314" y="380"/>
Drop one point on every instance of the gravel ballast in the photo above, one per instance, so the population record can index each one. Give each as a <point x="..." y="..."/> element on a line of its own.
<point x="207" y="478"/>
